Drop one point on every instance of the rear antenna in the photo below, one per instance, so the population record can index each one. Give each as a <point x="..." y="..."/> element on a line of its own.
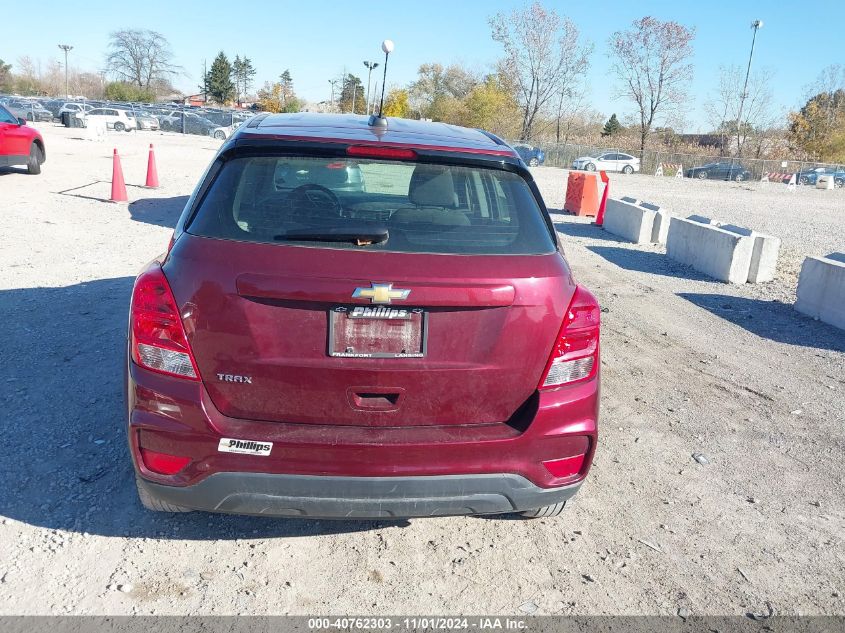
<point x="379" y="120"/>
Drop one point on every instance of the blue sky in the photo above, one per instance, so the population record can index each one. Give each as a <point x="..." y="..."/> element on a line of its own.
<point x="317" y="39"/>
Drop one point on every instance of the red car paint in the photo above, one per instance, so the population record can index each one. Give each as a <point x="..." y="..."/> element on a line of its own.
<point x="17" y="140"/>
<point x="255" y="317"/>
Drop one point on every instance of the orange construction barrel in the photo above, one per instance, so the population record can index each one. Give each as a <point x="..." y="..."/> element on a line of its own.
<point x="582" y="194"/>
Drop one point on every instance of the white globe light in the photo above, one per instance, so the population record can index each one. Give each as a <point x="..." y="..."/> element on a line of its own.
<point x="387" y="46"/>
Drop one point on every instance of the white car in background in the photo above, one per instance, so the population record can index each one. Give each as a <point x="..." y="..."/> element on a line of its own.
<point x="74" y="109"/>
<point x="608" y="161"/>
<point x="222" y="132"/>
<point x="114" y="118"/>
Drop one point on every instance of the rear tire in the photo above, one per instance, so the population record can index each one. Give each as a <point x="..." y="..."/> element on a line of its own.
<point x="627" y="169"/>
<point x="533" y="162"/>
<point x="220" y="135"/>
<point x="33" y="164"/>
<point x="804" y="180"/>
<point x="591" y="167"/>
<point x="119" y="127"/>
<point x="739" y="178"/>
<point x="546" y="511"/>
<point x="154" y="503"/>
<point x="838" y="183"/>
<point x="702" y="175"/>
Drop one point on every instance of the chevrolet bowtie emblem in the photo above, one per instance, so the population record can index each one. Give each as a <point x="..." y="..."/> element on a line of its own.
<point x="380" y="293"/>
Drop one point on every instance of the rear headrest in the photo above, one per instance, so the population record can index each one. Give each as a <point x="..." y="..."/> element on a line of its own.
<point x="432" y="186"/>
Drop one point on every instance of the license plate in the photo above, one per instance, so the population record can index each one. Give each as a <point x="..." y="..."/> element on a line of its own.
<point x="377" y="332"/>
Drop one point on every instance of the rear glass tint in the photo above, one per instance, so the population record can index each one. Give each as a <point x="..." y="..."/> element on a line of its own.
<point x="426" y="208"/>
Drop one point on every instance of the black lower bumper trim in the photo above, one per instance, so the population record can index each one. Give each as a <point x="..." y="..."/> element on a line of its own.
<point x="361" y="497"/>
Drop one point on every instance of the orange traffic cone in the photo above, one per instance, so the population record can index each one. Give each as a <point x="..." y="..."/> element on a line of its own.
<point x="118" y="186"/>
<point x="152" y="172"/>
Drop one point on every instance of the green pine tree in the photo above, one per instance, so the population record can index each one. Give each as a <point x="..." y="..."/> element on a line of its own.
<point x="5" y="76"/>
<point x="243" y="73"/>
<point x="613" y="126"/>
<point x="219" y="79"/>
<point x="287" y="97"/>
<point x="352" y="95"/>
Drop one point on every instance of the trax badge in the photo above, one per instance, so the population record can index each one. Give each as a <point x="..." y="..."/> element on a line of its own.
<point x="233" y="378"/>
<point x="380" y="293"/>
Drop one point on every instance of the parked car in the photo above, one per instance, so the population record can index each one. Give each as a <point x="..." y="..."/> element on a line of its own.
<point x="608" y="161"/>
<point x="222" y="132"/>
<point x="74" y="108"/>
<point x="114" y="118"/>
<point x="533" y="156"/>
<point x="418" y="348"/>
<point x="811" y="176"/>
<point x="722" y="170"/>
<point x="53" y="105"/>
<point x="146" y="120"/>
<point x="193" y="123"/>
<point x="30" y="110"/>
<point x="19" y="143"/>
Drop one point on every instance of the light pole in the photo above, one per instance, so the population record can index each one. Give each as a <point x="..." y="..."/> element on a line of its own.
<point x="369" y="66"/>
<point x="332" y="82"/>
<point x="66" y="48"/>
<point x="387" y="47"/>
<point x="756" y="25"/>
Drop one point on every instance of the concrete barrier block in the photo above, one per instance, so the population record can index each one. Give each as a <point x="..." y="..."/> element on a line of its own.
<point x="821" y="289"/>
<point x="700" y="219"/>
<point x="825" y="181"/>
<point x="660" y="230"/>
<point x="721" y="254"/>
<point x="764" y="259"/>
<point x="629" y="199"/>
<point x="629" y="221"/>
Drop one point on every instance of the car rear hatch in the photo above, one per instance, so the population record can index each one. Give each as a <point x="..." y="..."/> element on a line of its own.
<point x="319" y="328"/>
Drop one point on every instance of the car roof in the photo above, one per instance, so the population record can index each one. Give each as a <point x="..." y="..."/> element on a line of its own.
<point x="350" y="128"/>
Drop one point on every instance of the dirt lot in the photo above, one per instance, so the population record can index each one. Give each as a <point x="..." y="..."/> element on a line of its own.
<point x="690" y="366"/>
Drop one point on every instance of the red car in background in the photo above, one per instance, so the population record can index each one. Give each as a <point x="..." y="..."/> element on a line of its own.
<point x="362" y="321"/>
<point x="20" y="144"/>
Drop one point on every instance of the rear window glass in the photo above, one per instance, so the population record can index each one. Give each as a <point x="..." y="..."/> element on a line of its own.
<point x="424" y="208"/>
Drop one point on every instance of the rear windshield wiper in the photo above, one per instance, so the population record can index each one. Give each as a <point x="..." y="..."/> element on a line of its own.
<point x="363" y="235"/>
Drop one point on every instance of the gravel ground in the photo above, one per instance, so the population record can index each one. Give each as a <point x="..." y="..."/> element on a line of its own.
<point x="690" y="366"/>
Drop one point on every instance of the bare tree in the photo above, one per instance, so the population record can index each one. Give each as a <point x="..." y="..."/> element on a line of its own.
<point x="435" y="83"/>
<point x="140" y="57"/>
<point x="723" y="109"/>
<point x="651" y="62"/>
<point x="830" y="80"/>
<point x="544" y="58"/>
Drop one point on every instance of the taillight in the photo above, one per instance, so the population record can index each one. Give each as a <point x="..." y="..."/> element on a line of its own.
<point x="158" y="337"/>
<point x="575" y="354"/>
<point x="379" y="151"/>
<point x="162" y="463"/>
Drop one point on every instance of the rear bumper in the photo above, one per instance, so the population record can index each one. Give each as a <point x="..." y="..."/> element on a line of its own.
<point x="328" y="470"/>
<point x="361" y="497"/>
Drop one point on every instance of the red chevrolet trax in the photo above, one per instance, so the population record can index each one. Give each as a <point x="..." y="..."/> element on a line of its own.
<point x="356" y="320"/>
<point x="19" y="143"/>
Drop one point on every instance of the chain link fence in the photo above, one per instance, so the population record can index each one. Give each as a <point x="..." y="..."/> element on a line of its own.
<point x="563" y="155"/>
